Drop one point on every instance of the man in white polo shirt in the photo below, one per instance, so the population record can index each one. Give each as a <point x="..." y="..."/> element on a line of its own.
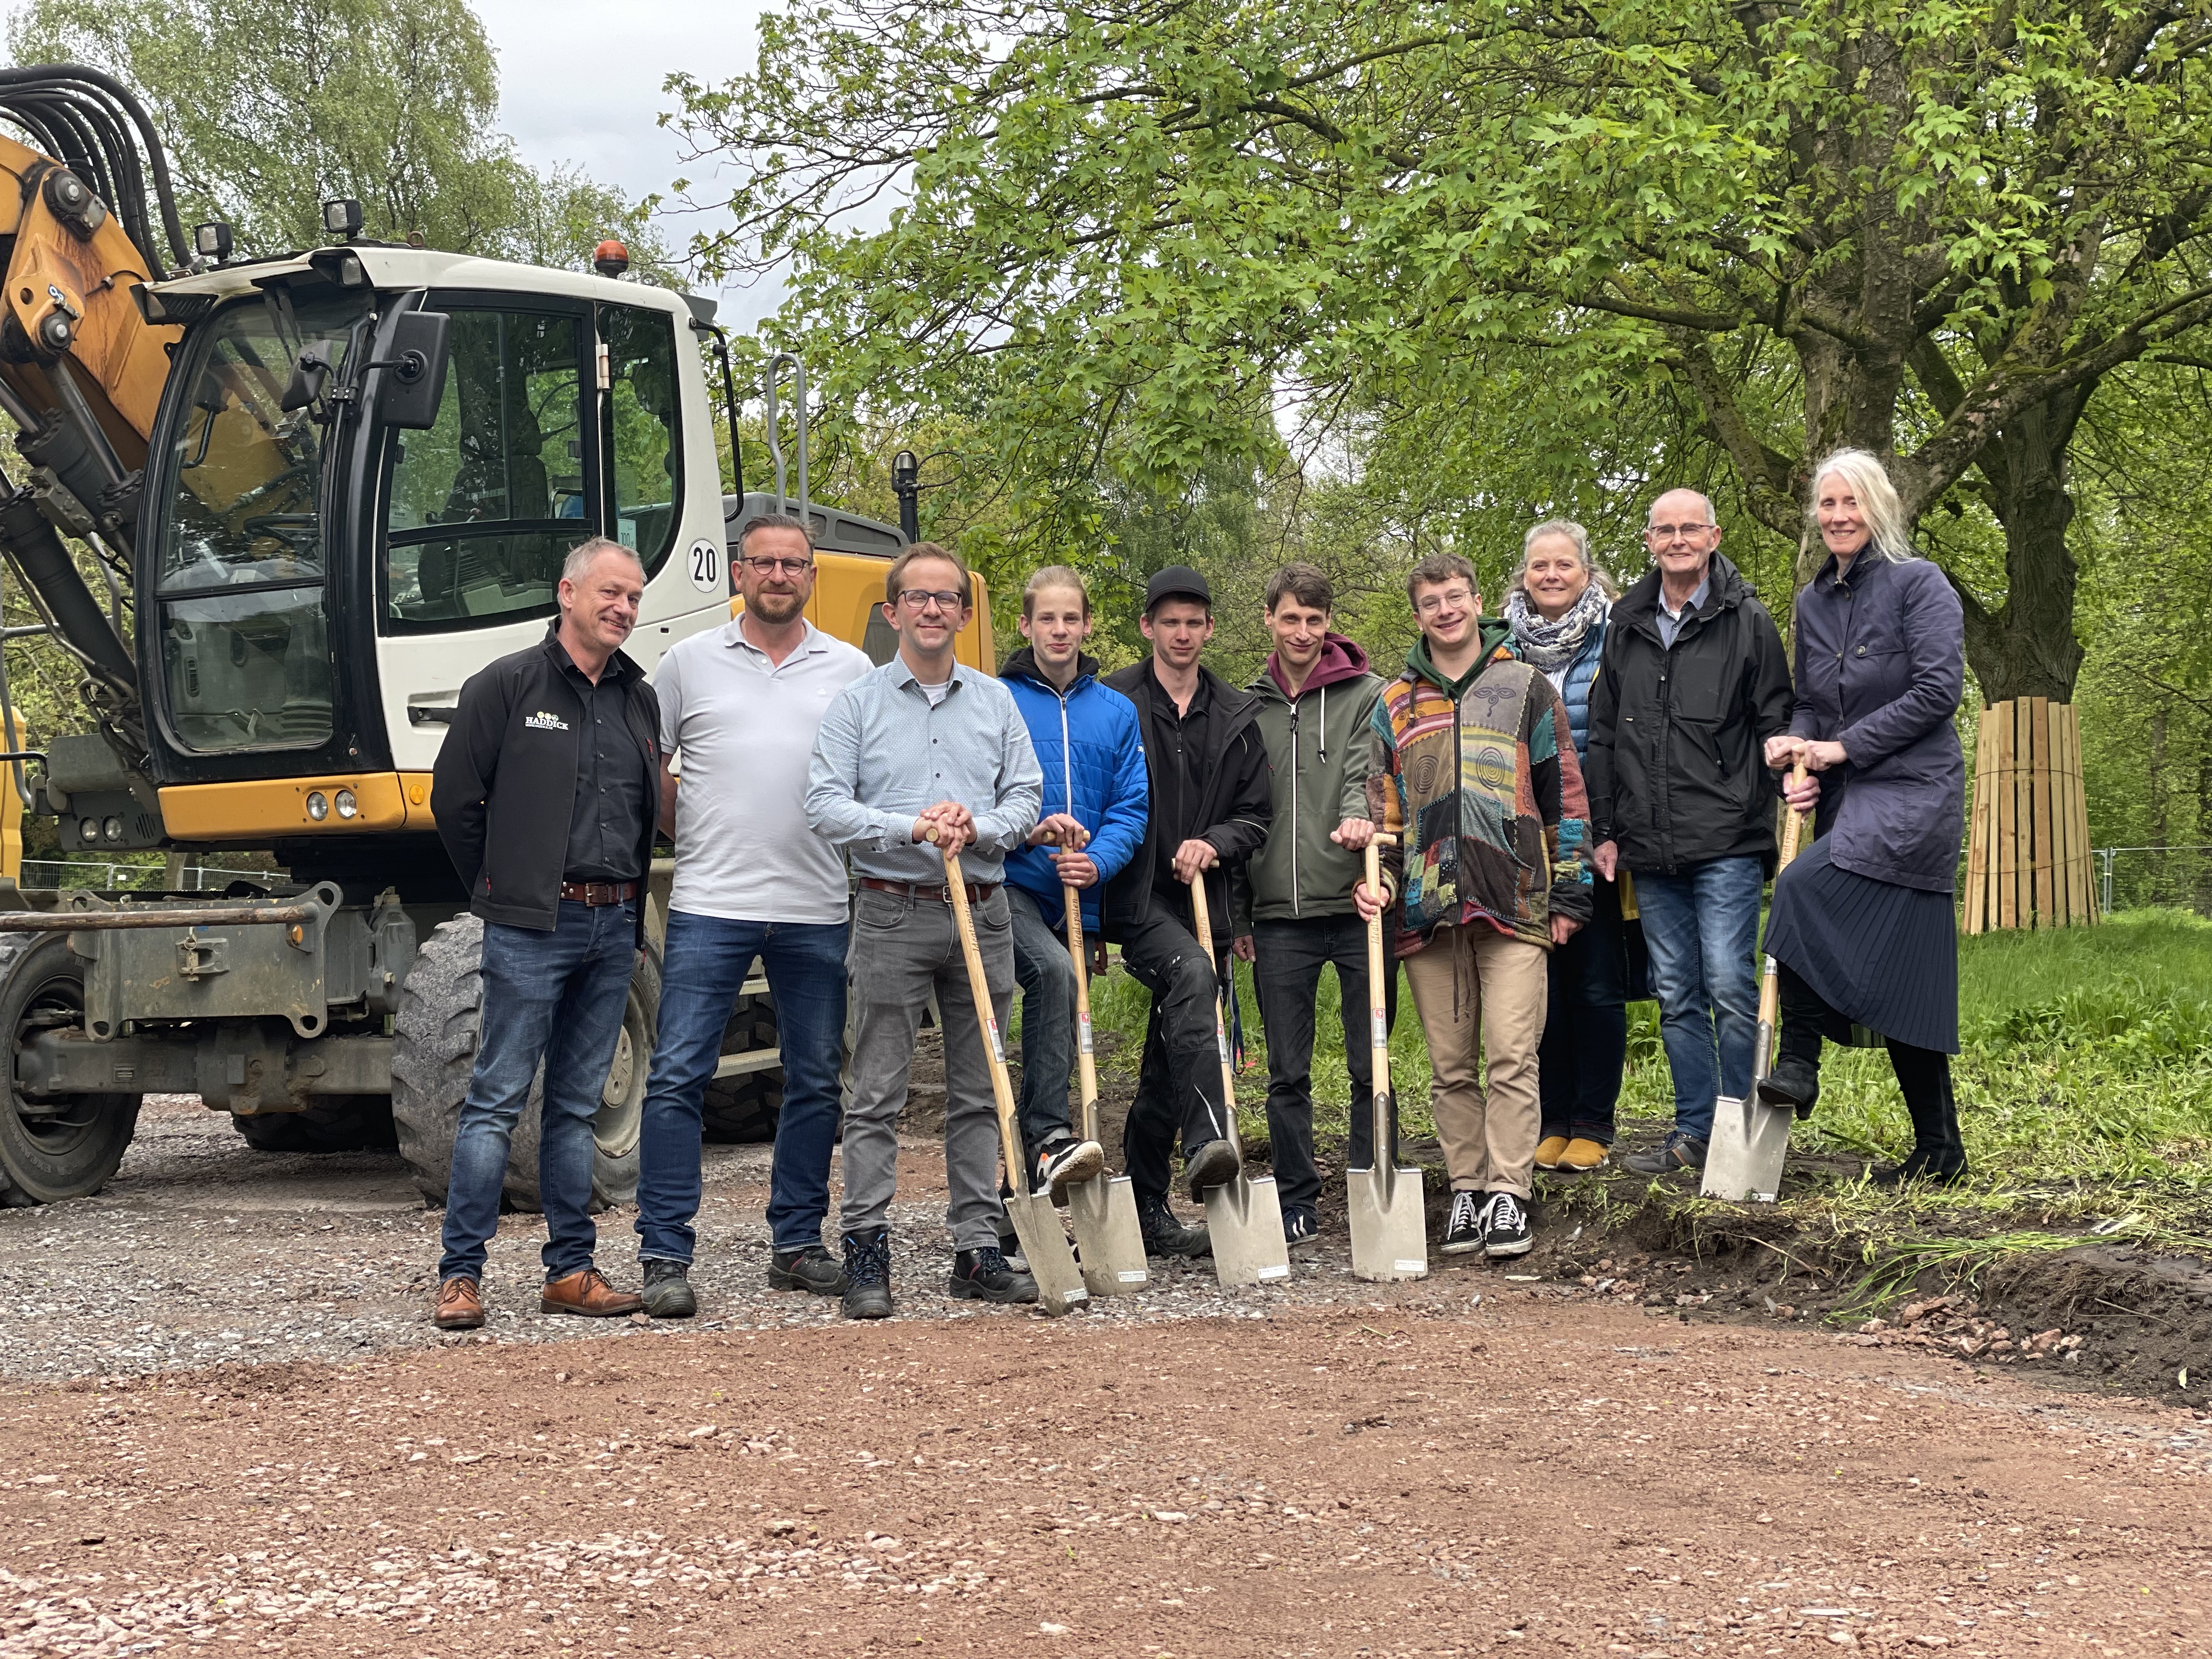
<point x="742" y="703"/>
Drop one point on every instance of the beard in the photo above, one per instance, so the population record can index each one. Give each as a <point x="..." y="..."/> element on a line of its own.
<point x="777" y="609"/>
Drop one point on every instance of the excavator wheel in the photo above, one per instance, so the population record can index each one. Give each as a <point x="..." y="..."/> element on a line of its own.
<point x="59" y="1147"/>
<point x="746" y="1108"/>
<point x="346" y="1123"/>
<point x="433" y="1053"/>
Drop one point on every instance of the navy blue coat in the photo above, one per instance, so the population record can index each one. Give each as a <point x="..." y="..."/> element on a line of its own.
<point x="1880" y="664"/>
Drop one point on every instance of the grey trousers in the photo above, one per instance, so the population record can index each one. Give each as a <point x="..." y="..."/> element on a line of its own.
<point x="902" y="950"/>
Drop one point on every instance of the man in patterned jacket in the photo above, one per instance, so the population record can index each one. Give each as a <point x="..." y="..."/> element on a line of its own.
<point x="1474" y="774"/>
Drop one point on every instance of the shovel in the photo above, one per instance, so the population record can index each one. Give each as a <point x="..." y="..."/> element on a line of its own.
<point x="1103" y="1208"/>
<point x="1389" y="1239"/>
<point x="1750" y="1138"/>
<point x="1243" y="1216"/>
<point x="1052" y="1264"/>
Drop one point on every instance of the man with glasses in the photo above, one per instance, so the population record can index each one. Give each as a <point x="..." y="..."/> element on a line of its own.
<point x="742" y="702"/>
<point x="922" y="746"/>
<point x="1693" y="681"/>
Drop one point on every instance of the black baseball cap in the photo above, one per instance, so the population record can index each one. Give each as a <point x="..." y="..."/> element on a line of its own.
<point x="1178" y="581"/>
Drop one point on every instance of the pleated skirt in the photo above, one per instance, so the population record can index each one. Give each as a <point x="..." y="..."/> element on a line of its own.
<point x="1883" y="957"/>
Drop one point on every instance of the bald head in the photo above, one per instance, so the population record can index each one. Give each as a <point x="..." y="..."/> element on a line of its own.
<point x="1681" y="536"/>
<point x="1681" y="507"/>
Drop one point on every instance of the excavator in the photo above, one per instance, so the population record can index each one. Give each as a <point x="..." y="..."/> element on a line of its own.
<point x="275" y="510"/>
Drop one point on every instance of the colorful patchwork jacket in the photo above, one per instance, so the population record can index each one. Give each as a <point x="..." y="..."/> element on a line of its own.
<point x="1485" y="798"/>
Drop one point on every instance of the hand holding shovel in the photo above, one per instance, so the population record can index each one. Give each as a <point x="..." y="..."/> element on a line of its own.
<point x="1052" y="1264"/>
<point x="1389" y="1238"/>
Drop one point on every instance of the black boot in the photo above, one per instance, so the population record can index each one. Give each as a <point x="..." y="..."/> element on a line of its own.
<point x="1795" y="1079"/>
<point x="1938" y="1154"/>
<point x="1165" y="1236"/>
<point x="1793" y="1083"/>
<point x="668" y="1293"/>
<point x="868" y="1274"/>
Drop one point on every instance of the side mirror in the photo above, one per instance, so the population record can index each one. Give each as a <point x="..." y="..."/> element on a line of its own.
<point x="306" y="386"/>
<point x="414" y="381"/>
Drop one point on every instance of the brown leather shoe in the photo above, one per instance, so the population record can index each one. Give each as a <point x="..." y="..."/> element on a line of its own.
<point x="589" y="1294"/>
<point x="461" y="1306"/>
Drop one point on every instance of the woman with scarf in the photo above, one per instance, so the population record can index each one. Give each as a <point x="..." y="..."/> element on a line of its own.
<point x="1557" y="605"/>
<point x="1862" y="926"/>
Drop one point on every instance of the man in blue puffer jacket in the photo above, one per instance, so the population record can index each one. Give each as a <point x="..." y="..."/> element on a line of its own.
<point x="1095" y="797"/>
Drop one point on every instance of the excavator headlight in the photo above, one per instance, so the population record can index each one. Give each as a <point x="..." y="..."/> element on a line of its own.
<point x="347" y="806"/>
<point x="112" y="828"/>
<point x="212" y="240"/>
<point x="342" y="218"/>
<point x="87" y="829"/>
<point x="318" y="806"/>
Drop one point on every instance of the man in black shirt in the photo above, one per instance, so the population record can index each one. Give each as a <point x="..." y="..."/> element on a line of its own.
<point x="1212" y="802"/>
<point x="544" y="793"/>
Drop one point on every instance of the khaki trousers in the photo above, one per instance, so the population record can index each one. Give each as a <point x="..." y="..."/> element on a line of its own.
<point x="1479" y="989"/>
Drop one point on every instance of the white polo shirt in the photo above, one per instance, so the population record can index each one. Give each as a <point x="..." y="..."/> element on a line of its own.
<point x="745" y="726"/>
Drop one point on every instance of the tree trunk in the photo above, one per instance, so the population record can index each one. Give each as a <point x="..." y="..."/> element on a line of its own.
<point x="2025" y="648"/>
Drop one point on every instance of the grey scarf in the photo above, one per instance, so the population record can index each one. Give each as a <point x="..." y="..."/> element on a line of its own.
<point x="1549" y="646"/>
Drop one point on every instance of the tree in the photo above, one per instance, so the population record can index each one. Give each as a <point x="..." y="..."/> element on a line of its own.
<point x="1930" y="228"/>
<point x="270" y="107"/>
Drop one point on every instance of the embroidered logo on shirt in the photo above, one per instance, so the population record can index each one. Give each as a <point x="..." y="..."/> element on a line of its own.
<point x="542" y="721"/>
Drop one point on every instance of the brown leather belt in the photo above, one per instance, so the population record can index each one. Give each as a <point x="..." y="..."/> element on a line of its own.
<point x="913" y="890"/>
<point x="595" y="893"/>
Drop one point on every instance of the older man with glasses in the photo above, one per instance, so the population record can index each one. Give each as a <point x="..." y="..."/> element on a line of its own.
<point x="1693" y="681"/>
<point x="739" y="708"/>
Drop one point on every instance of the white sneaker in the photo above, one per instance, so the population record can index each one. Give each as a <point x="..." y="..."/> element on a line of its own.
<point x="1463" y="1226"/>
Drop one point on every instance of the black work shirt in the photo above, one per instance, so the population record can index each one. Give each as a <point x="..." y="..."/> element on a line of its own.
<point x="1179" y="806"/>
<point x="606" y="826"/>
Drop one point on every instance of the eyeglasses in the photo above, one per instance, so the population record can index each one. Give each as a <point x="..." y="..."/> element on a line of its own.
<point x="1435" y="601"/>
<point x="769" y="567"/>
<point x="923" y="598"/>
<point x="1668" y="532"/>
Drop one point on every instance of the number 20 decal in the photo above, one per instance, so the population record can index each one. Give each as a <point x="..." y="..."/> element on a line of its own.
<point x="707" y="567"/>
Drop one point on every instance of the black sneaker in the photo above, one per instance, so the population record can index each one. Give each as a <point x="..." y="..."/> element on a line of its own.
<point x="1063" y="1162"/>
<point x="1463" y="1226"/>
<point x="1793" y="1083"/>
<point x="1165" y="1236"/>
<point x="868" y="1274"/>
<point x="1675" y="1153"/>
<point x="1213" y="1164"/>
<point x="668" y="1289"/>
<point x="1301" y="1230"/>
<point x="986" y="1275"/>
<point x="1505" y="1226"/>
<point x="812" y="1269"/>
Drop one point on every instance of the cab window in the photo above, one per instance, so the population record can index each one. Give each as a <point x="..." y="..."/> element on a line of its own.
<point x="643" y="436"/>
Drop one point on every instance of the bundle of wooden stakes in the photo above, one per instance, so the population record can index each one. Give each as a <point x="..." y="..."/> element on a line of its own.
<point x="2028" y="838"/>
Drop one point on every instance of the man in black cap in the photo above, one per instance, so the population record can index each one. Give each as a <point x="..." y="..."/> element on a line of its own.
<point x="1212" y="802"/>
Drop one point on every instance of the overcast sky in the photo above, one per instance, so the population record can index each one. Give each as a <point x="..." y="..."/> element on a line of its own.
<point x="580" y="82"/>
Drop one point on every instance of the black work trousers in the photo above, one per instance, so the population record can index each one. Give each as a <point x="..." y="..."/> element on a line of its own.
<point x="1287" y="957"/>
<point x="1585" y="1045"/>
<point x="1179" y="1083"/>
<point x="1923" y="1074"/>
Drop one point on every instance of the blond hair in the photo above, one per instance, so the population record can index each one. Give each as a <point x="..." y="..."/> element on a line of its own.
<point x="1887" y="532"/>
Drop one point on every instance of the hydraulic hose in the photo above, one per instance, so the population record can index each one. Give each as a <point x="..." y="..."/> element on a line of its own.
<point x="36" y="550"/>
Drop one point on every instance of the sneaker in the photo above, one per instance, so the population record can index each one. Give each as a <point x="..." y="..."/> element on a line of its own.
<point x="1505" y="1224"/>
<point x="1010" y="1246"/>
<point x="1549" y="1151"/>
<point x="1463" y="1226"/>
<point x="1792" y="1083"/>
<point x="1068" y="1161"/>
<point x="868" y="1274"/>
<point x="986" y="1275"/>
<point x="1301" y="1230"/>
<point x="668" y="1293"/>
<point x="1583" y="1155"/>
<point x="1213" y="1164"/>
<point x="1165" y="1236"/>
<point x="812" y="1269"/>
<point x="1677" y="1152"/>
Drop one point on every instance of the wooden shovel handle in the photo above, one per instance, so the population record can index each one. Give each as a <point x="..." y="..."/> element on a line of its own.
<point x="1085" y="1065"/>
<point x="987" y="1021"/>
<point x="1381" y="1033"/>
<point x="1205" y="931"/>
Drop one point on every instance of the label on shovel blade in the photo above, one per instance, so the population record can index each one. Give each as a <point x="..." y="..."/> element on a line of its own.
<point x="1074" y="1296"/>
<point x="1283" y="1271"/>
<point x="1083" y="1031"/>
<point x="1128" y="1277"/>
<point x="998" y="1048"/>
<point x="1411" y="1266"/>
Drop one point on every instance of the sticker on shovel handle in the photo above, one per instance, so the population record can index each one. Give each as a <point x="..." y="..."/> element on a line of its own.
<point x="1381" y="1029"/>
<point x="1082" y="1030"/>
<point x="1221" y="1041"/>
<point x="998" y="1048"/>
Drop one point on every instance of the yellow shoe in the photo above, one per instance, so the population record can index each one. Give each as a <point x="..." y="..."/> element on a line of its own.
<point x="1550" y="1151"/>
<point x="1582" y="1155"/>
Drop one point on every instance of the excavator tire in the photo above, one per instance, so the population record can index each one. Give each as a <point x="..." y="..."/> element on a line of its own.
<point x="345" y="1123"/>
<point x="433" y="1054"/>
<point x="55" y="1149"/>
<point x="746" y="1108"/>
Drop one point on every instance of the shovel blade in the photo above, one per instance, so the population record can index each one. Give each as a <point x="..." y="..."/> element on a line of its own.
<point x="1052" y="1263"/>
<point x="1744" y="1157"/>
<point x="1389" y="1239"/>
<point x="1112" y="1246"/>
<point x="1244" y="1220"/>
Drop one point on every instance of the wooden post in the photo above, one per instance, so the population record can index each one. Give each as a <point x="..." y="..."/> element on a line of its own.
<point x="1978" y="844"/>
<point x="2008" y="913"/>
<point x="2089" y="912"/>
<point x="2039" y="731"/>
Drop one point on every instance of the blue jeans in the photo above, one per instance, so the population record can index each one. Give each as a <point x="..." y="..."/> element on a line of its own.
<point x="557" y="998"/>
<point x="1701" y="926"/>
<point x="707" y="962"/>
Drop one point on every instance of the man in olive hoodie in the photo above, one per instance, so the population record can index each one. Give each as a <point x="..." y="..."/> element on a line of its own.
<point x="1294" y="910"/>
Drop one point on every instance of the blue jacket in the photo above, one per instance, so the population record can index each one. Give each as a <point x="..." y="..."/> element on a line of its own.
<point x="1092" y="753"/>
<point x="1575" y="684"/>
<point x="1881" y="666"/>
